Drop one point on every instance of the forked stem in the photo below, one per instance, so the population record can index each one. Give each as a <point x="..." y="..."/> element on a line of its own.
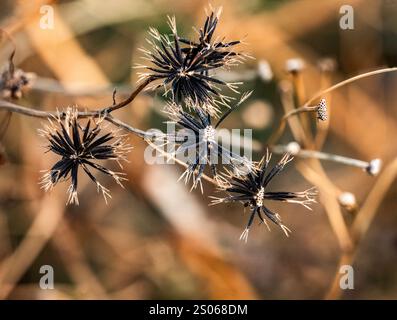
<point x="307" y="108"/>
<point x="131" y="97"/>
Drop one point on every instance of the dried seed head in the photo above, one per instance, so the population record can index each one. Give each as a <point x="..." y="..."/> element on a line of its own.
<point x="13" y="81"/>
<point x="185" y="68"/>
<point x="13" y="84"/>
<point x="293" y="148"/>
<point x="251" y="191"/>
<point x="294" y="65"/>
<point x="374" y="167"/>
<point x="197" y="137"/>
<point x="347" y="200"/>
<point x="322" y="110"/>
<point x="81" y="146"/>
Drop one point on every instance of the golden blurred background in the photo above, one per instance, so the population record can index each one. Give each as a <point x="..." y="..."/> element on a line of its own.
<point x="155" y="239"/>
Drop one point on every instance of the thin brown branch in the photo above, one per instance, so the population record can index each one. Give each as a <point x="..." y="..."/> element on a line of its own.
<point x="300" y="91"/>
<point x="314" y="173"/>
<point x="280" y="129"/>
<point x="146" y="135"/>
<point x="12" y="107"/>
<point x="347" y="81"/>
<point x="287" y="100"/>
<point x="5" y="105"/>
<point x="131" y="97"/>
<point x="307" y="108"/>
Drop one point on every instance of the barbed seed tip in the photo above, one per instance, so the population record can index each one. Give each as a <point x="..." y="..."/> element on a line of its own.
<point x="374" y="167"/>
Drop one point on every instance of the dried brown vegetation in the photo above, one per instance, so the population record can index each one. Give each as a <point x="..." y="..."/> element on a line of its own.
<point x="155" y="238"/>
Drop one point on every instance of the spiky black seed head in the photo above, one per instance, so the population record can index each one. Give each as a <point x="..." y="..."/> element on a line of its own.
<point x="196" y="140"/>
<point x="251" y="190"/>
<point x="81" y="146"/>
<point x="185" y="68"/>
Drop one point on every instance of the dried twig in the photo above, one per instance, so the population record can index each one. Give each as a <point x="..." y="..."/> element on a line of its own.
<point x="308" y="108"/>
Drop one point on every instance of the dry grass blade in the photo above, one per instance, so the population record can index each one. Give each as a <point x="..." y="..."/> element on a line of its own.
<point x="363" y="221"/>
<point x="42" y="229"/>
<point x="347" y="81"/>
<point x="328" y="196"/>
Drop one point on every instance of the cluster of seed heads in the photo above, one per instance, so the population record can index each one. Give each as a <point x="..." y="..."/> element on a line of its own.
<point x="187" y="70"/>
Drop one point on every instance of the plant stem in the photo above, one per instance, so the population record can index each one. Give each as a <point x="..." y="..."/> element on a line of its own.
<point x="280" y="149"/>
<point x="146" y="135"/>
<point x="130" y="98"/>
<point x="280" y="129"/>
<point x="9" y="106"/>
<point x="347" y="81"/>
<point x="307" y="108"/>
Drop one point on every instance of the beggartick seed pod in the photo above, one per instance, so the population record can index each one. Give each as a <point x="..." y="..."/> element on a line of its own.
<point x="251" y="190"/>
<point x="197" y="137"/>
<point x="185" y="68"/>
<point x="81" y="147"/>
